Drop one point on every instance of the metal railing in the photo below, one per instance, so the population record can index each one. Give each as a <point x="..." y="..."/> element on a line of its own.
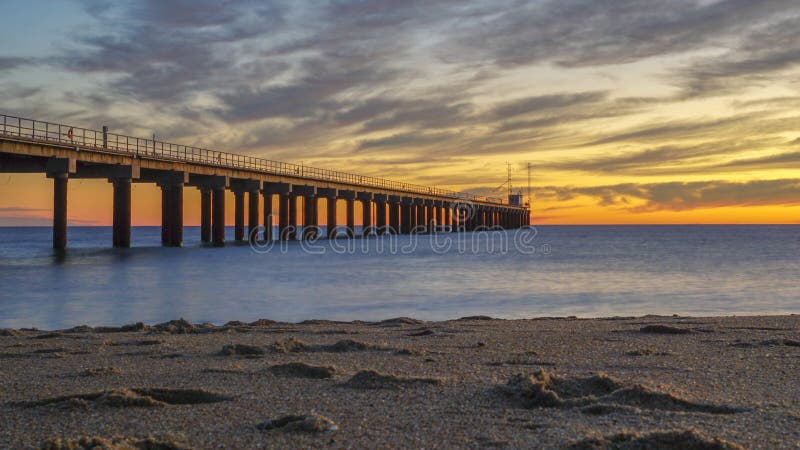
<point x="149" y="148"/>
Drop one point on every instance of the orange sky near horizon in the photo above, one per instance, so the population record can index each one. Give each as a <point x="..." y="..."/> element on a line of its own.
<point x="631" y="113"/>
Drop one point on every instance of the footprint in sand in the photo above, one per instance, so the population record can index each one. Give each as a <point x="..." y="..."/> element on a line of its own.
<point x="687" y="439"/>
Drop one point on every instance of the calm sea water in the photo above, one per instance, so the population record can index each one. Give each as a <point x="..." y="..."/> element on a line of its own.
<point x="583" y="271"/>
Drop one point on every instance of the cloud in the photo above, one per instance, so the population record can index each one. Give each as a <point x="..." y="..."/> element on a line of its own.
<point x="682" y="196"/>
<point x="10" y="63"/>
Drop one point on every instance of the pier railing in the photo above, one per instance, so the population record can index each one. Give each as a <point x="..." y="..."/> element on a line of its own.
<point x="105" y="141"/>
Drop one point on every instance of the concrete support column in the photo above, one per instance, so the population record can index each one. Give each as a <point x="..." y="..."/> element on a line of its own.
<point x="380" y="217"/>
<point x="439" y="223"/>
<point x="284" y="200"/>
<point x="407" y="218"/>
<point x="176" y="217"/>
<point x="205" y="215"/>
<point x="331" y="222"/>
<point x="420" y="217"/>
<point x="218" y="217"/>
<point x="394" y="218"/>
<point x="268" y="216"/>
<point x="60" y="211"/>
<point x="431" y="219"/>
<point x="310" y="221"/>
<point x="238" y="216"/>
<point x="121" y="228"/>
<point x="252" y="213"/>
<point x="165" y="216"/>
<point x="366" y="209"/>
<point x="292" y="230"/>
<point x="448" y="220"/>
<point x="351" y="218"/>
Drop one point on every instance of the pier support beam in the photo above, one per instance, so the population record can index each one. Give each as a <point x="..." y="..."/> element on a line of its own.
<point x="331" y="222"/>
<point x="438" y="216"/>
<point x="60" y="210"/>
<point x="430" y="220"/>
<point x="171" y="214"/>
<point x="121" y="228"/>
<point x="351" y="218"/>
<point x="283" y="216"/>
<point x="252" y="213"/>
<point x="238" y="216"/>
<point x="419" y="223"/>
<point x="268" y="215"/>
<point x="292" y="228"/>
<point x="448" y="220"/>
<point x="205" y="215"/>
<point x="310" y="219"/>
<point x="365" y="198"/>
<point x="218" y="217"/>
<point x="380" y="213"/>
<point x="394" y="214"/>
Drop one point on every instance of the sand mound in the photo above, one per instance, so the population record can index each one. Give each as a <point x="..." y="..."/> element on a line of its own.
<point x="688" y="439"/>
<point x="138" y="326"/>
<point x="133" y="397"/>
<point x="303" y="370"/>
<point x="425" y="332"/>
<point x="401" y="321"/>
<point x="9" y="332"/>
<point x="101" y="371"/>
<point x="262" y="323"/>
<point x="769" y="343"/>
<point x="118" y="443"/>
<point x="180" y="326"/>
<point x="290" y="345"/>
<point x="370" y="379"/>
<point x="545" y="390"/>
<point x="663" y="329"/>
<point x="311" y="423"/>
<point x="352" y="345"/>
<point x="466" y="318"/>
<point x="242" y="349"/>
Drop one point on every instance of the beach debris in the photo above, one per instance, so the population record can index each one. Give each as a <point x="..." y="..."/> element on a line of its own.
<point x="303" y="370"/>
<point x="242" y="349"/>
<point x="371" y="379"/>
<point x="101" y="371"/>
<point x="171" y="441"/>
<point x="144" y="397"/>
<point x="688" y="438"/>
<point x="309" y="423"/>
<point x="663" y="329"/>
<point x="290" y="345"/>
<point x="545" y="390"/>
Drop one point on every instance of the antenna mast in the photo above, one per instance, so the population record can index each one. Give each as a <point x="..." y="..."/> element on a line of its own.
<point x="508" y="179"/>
<point x="530" y="201"/>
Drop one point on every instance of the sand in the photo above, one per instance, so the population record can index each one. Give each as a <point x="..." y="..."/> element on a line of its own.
<point x="637" y="382"/>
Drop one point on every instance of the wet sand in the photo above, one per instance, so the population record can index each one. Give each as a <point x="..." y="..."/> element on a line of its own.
<point x="729" y="382"/>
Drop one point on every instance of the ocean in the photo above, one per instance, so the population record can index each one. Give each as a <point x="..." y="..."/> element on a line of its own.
<point x="584" y="271"/>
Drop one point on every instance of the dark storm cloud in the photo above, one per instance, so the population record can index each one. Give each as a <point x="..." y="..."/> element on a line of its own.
<point x="590" y="33"/>
<point x="678" y="196"/>
<point x="762" y="53"/>
<point x="10" y="62"/>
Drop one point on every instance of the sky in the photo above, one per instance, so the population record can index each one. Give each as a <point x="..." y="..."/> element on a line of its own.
<point x="628" y="111"/>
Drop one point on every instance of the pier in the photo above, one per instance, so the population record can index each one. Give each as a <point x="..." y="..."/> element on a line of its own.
<point x="65" y="152"/>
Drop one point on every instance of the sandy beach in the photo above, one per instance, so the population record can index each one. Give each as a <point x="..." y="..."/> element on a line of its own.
<point x="677" y="382"/>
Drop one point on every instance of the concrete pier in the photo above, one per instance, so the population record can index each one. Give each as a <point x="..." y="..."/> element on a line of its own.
<point x="205" y="215"/>
<point x="60" y="210"/>
<point x="23" y="149"/>
<point x="121" y="222"/>
<point x="218" y="217"/>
